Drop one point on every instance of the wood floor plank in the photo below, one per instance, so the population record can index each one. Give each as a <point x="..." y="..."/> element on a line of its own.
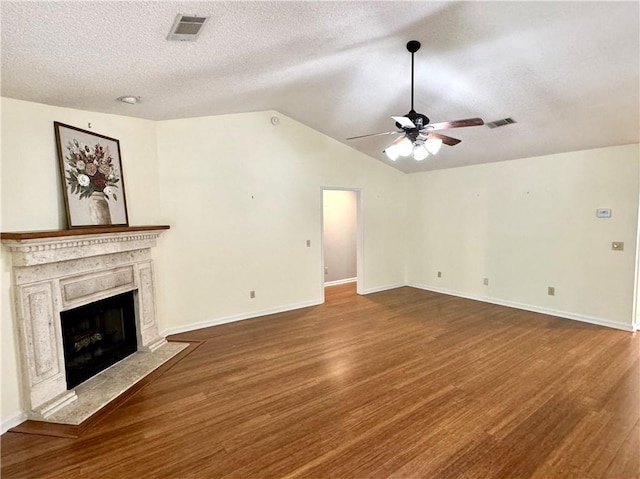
<point x="398" y="384"/>
<point x="626" y="463"/>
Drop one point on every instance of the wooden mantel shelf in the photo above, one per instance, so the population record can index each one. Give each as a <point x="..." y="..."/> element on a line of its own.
<point x="97" y="230"/>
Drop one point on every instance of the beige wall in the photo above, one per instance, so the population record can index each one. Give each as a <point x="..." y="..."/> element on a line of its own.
<point x="340" y="234"/>
<point x="30" y="170"/>
<point x="529" y="224"/>
<point x="243" y="197"/>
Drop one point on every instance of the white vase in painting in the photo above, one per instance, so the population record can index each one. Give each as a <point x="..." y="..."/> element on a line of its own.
<point x="99" y="209"/>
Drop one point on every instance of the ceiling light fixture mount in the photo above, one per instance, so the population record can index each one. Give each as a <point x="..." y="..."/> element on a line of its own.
<point x="129" y="99"/>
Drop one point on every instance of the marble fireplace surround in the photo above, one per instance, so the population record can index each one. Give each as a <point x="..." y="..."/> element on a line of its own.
<point x="53" y="271"/>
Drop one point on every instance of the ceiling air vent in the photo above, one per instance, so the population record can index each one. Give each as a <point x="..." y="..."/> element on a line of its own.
<point x="186" y="28"/>
<point x="503" y="122"/>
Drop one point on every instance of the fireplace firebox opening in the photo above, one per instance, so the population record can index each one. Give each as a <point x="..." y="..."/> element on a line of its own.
<point x="98" y="335"/>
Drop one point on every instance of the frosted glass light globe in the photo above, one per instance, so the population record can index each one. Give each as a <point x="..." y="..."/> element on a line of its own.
<point x="433" y="145"/>
<point x="392" y="152"/>
<point x="419" y="152"/>
<point x="405" y="147"/>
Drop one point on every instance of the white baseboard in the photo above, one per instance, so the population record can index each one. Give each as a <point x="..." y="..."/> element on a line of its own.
<point x="238" y="317"/>
<point x="12" y="422"/>
<point x="340" y="281"/>
<point x="383" y="288"/>
<point x="528" y="307"/>
<point x="256" y="314"/>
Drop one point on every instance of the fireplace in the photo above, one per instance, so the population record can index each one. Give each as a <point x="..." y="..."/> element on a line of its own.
<point x="84" y="299"/>
<point x="97" y="335"/>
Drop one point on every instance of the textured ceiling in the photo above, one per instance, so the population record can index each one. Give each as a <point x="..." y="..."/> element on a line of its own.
<point x="567" y="72"/>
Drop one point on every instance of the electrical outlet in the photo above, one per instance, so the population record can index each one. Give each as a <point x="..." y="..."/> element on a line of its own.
<point x="486" y="281"/>
<point x="551" y="291"/>
<point x="252" y="294"/>
<point x="439" y="274"/>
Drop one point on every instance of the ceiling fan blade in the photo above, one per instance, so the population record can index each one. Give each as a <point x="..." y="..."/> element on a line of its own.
<point x="447" y="140"/>
<point x="404" y="121"/>
<point x="397" y="140"/>
<point x="375" y="134"/>
<point x="445" y="125"/>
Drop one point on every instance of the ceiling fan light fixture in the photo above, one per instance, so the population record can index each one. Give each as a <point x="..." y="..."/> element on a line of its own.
<point x="420" y="152"/>
<point x="404" y="147"/>
<point x="392" y="153"/>
<point x="433" y="145"/>
<point x="418" y="139"/>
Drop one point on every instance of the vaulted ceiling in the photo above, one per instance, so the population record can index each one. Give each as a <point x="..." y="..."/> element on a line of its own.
<point x="567" y="72"/>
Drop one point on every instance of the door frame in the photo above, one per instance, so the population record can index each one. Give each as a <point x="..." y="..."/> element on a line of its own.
<point x="636" y="290"/>
<point x="359" y="235"/>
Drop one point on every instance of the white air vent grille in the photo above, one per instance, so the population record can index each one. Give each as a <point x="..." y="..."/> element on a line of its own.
<point x="186" y="28"/>
<point x="503" y="122"/>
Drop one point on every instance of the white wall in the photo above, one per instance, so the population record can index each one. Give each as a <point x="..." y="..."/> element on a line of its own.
<point x="243" y="197"/>
<point x="340" y="234"/>
<point x="30" y="170"/>
<point x="529" y="224"/>
<point x="31" y="195"/>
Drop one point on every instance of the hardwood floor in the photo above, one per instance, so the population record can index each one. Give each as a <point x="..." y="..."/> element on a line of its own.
<point x="398" y="384"/>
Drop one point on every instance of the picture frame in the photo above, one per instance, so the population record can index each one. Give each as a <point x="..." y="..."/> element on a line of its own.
<point x="92" y="178"/>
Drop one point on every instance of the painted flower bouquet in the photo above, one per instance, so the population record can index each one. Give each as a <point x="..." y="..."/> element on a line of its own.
<point x="90" y="170"/>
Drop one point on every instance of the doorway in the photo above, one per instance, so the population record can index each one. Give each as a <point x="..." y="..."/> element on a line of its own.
<point x="342" y="237"/>
<point x="636" y="293"/>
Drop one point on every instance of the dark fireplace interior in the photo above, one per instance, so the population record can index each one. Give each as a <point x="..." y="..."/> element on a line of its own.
<point x="98" y="335"/>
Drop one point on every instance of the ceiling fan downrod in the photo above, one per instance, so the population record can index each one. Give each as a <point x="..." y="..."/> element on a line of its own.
<point x="413" y="46"/>
<point x="418" y="119"/>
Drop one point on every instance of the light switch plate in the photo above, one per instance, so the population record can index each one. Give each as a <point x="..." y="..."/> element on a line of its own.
<point x="603" y="212"/>
<point x="617" y="246"/>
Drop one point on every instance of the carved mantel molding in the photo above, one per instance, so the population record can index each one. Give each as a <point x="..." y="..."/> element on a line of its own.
<point x="40" y="247"/>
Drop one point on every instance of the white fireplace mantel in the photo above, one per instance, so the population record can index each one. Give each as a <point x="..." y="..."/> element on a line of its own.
<point x="54" y="271"/>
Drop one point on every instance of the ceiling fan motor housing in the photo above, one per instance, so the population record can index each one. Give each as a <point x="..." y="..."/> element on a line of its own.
<point x="418" y="119"/>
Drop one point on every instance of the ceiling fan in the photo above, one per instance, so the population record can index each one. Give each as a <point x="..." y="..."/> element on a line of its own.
<point x="418" y="135"/>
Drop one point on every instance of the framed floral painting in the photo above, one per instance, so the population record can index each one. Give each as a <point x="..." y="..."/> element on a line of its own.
<point x="92" y="178"/>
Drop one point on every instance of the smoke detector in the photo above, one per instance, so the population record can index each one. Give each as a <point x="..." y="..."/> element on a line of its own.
<point x="186" y="28"/>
